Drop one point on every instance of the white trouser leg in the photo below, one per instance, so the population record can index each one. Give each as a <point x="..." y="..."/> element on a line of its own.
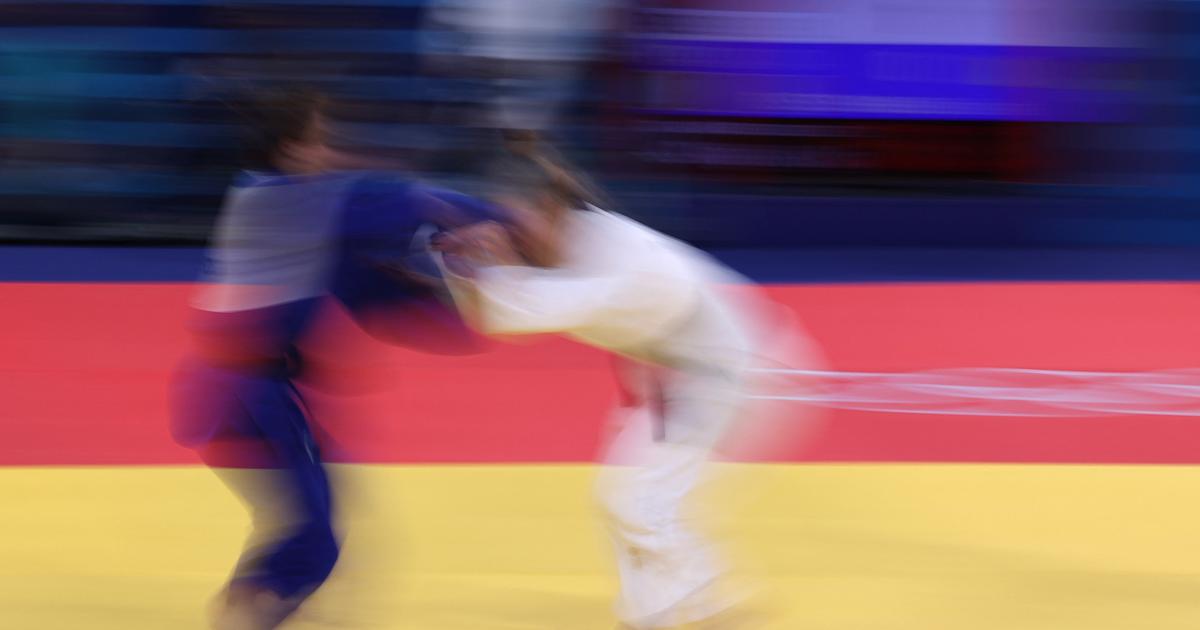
<point x="668" y="569"/>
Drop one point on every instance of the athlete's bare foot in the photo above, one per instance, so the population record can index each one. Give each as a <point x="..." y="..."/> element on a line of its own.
<point x="737" y="618"/>
<point x="250" y="608"/>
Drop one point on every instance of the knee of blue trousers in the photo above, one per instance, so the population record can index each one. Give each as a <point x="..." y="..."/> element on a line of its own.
<point x="325" y="549"/>
<point x="304" y="561"/>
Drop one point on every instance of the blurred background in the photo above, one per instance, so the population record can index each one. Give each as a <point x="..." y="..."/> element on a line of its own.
<point x="747" y="123"/>
<point x="987" y="212"/>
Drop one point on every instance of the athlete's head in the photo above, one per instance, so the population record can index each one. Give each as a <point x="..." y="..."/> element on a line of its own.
<point x="287" y="131"/>
<point x="537" y="190"/>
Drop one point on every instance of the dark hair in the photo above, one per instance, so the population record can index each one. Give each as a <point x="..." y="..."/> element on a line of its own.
<point x="272" y="118"/>
<point x="529" y="168"/>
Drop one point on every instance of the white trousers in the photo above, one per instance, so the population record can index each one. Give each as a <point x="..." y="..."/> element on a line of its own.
<point x="664" y="563"/>
<point x="659" y="457"/>
<point x="670" y="571"/>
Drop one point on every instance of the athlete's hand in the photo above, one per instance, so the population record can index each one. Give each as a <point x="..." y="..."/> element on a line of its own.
<point x="485" y="243"/>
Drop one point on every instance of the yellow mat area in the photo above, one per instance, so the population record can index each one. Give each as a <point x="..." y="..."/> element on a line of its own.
<point x="865" y="547"/>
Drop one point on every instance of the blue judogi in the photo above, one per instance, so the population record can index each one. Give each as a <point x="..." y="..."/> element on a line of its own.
<point x="283" y="244"/>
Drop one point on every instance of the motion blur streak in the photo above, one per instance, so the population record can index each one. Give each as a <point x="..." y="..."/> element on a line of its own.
<point x="985" y="212"/>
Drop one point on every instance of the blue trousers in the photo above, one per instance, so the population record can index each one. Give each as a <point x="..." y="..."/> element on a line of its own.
<point x="255" y="418"/>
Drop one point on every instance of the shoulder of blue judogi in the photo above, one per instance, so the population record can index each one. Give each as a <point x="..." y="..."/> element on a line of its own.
<point x="389" y="221"/>
<point x="449" y="208"/>
<point x="269" y="178"/>
<point x="379" y="238"/>
<point x="378" y="203"/>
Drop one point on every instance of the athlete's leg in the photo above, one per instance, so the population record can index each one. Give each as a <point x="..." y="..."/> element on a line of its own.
<point x="263" y="449"/>
<point x="670" y="571"/>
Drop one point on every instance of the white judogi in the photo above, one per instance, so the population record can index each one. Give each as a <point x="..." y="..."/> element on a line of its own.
<point x="638" y="293"/>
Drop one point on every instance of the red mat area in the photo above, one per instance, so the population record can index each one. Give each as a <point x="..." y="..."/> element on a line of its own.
<point x="84" y="367"/>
